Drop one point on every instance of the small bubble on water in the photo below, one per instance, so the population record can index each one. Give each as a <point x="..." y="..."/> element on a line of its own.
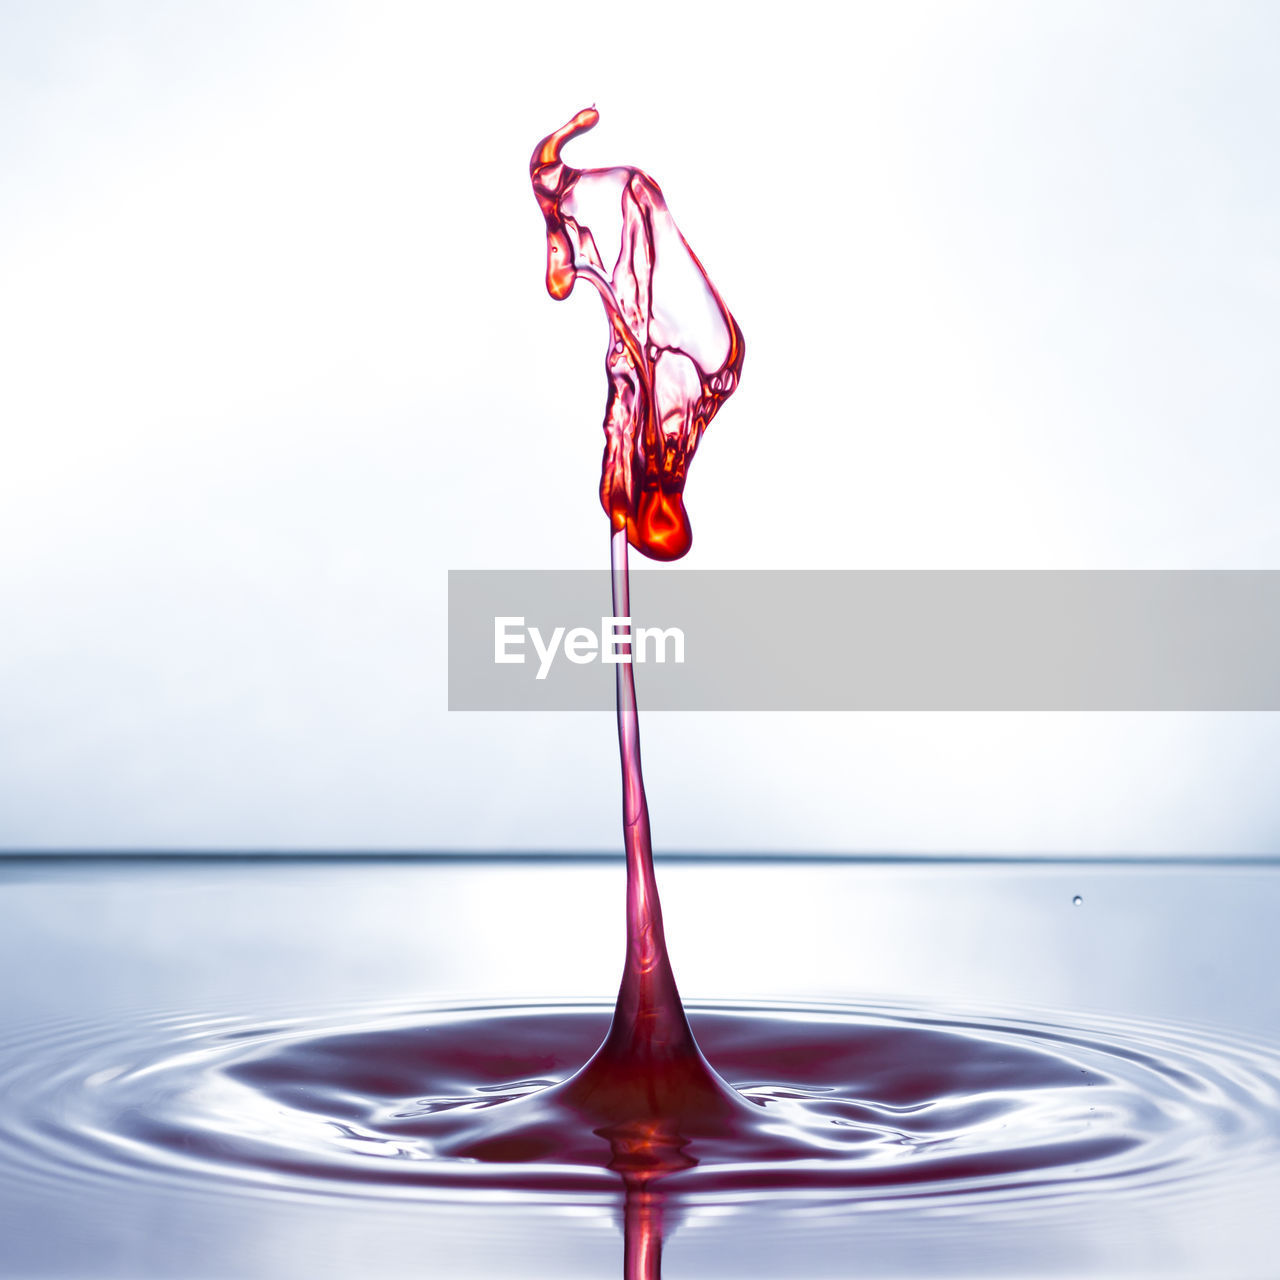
<point x="1077" y="901"/>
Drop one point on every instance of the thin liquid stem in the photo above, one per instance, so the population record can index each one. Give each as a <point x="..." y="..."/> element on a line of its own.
<point x="649" y="1017"/>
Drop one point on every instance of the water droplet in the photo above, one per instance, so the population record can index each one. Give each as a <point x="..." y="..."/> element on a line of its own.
<point x="1077" y="901"/>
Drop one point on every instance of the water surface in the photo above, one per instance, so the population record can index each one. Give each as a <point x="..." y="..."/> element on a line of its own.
<point x="182" y="1042"/>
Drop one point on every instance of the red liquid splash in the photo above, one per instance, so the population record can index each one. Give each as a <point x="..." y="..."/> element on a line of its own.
<point x="647" y="1104"/>
<point x="675" y="353"/>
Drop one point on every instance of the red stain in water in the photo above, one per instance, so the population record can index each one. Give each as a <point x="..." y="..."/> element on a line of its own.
<point x="675" y="353"/>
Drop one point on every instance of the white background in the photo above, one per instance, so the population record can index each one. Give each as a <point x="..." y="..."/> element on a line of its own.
<point x="275" y="353"/>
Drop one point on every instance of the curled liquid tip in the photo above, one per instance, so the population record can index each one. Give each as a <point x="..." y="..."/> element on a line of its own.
<point x="547" y="151"/>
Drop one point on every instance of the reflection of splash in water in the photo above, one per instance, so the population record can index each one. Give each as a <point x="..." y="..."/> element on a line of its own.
<point x="675" y="353"/>
<point x="641" y="1233"/>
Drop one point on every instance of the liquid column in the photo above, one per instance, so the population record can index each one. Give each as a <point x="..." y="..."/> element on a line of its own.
<point x="648" y="1087"/>
<point x="649" y="1018"/>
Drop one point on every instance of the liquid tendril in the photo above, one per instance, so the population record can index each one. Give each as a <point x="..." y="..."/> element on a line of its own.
<point x="674" y="354"/>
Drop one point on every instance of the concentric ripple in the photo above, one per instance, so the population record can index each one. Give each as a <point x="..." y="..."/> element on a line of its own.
<point x="873" y="1102"/>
